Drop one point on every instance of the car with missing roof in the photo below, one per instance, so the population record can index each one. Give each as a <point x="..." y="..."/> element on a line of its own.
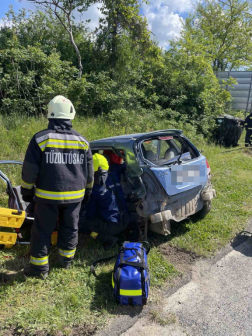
<point x="167" y="178"/>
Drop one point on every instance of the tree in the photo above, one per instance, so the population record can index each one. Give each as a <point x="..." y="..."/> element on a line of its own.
<point x="222" y="32"/>
<point x="121" y="18"/>
<point x="64" y="11"/>
<point x="29" y="78"/>
<point x="187" y="87"/>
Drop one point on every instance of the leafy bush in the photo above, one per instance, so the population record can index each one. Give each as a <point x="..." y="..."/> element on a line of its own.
<point x="29" y="79"/>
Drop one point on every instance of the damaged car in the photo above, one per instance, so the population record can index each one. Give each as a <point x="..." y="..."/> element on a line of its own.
<point x="166" y="179"/>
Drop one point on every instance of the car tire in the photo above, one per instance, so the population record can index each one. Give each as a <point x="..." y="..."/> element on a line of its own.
<point x="205" y="210"/>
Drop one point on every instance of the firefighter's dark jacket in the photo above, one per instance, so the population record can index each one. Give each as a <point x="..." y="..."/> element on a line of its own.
<point x="248" y="123"/>
<point x="102" y="203"/>
<point x="58" y="165"/>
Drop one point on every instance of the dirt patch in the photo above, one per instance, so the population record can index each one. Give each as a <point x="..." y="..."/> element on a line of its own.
<point x="182" y="260"/>
<point x="85" y="330"/>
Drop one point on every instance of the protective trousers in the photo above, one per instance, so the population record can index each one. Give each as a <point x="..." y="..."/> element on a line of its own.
<point x="248" y="139"/>
<point x="46" y="216"/>
<point x="100" y="229"/>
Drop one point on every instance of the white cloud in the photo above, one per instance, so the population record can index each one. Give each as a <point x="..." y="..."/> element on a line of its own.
<point x="164" y="18"/>
<point x="93" y="13"/>
<point x="165" y="25"/>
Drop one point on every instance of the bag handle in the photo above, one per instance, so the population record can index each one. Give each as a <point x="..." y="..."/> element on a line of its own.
<point x="148" y="246"/>
<point x="139" y="242"/>
<point x="92" y="267"/>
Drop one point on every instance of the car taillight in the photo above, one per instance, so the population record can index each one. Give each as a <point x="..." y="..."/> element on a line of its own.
<point x="208" y="167"/>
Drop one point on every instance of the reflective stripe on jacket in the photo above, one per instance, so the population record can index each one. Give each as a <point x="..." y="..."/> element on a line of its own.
<point x="59" y="164"/>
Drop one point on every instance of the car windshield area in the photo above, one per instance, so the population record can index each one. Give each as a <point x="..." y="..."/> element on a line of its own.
<point x="167" y="150"/>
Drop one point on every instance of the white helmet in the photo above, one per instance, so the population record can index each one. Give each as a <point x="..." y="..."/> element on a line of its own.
<point x="60" y="108"/>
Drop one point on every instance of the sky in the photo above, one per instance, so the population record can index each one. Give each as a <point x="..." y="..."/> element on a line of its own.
<point x="163" y="16"/>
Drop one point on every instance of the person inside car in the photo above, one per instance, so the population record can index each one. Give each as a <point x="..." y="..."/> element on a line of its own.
<point x="100" y="216"/>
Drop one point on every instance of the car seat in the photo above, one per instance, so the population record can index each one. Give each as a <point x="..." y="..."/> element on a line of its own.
<point x="149" y="155"/>
<point x="170" y="154"/>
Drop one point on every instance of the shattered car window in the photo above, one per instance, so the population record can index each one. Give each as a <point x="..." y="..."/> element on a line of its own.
<point x="165" y="150"/>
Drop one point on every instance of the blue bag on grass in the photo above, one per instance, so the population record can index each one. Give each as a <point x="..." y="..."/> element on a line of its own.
<point x="130" y="277"/>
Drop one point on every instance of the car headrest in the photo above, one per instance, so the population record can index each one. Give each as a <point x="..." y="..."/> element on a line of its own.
<point x="170" y="154"/>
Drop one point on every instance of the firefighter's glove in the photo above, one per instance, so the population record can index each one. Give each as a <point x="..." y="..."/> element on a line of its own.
<point x="28" y="199"/>
<point x="87" y="195"/>
<point x="28" y="194"/>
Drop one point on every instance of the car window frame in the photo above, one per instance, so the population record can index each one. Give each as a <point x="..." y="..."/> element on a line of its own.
<point x="191" y="149"/>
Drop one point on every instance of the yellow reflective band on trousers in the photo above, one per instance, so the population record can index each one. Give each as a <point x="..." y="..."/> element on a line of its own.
<point x="128" y="292"/>
<point x="90" y="185"/>
<point x="67" y="253"/>
<point x="64" y="144"/>
<point x="59" y="196"/>
<point x="26" y="185"/>
<point x="39" y="261"/>
<point x="94" y="235"/>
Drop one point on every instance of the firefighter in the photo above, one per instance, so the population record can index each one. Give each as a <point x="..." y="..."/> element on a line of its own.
<point x="116" y="171"/>
<point x="248" y="127"/>
<point x="101" y="217"/>
<point x="58" y="172"/>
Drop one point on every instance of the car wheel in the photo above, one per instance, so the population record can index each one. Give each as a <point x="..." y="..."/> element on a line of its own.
<point x="205" y="210"/>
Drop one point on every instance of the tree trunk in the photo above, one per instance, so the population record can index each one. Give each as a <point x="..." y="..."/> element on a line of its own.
<point x="113" y="56"/>
<point x="77" y="52"/>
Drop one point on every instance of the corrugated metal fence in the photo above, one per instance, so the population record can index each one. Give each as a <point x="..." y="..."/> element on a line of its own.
<point x="241" y="92"/>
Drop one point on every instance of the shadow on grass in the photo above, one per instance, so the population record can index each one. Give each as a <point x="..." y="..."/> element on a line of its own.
<point x="103" y="298"/>
<point x="177" y="230"/>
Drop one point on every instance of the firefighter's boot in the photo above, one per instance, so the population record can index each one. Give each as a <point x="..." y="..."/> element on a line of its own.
<point x="31" y="272"/>
<point x="66" y="257"/>
<point x="64" y="262"/>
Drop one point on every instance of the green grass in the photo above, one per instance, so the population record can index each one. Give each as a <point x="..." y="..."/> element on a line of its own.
<point x="67" y="298"/>
<point x="231" y="210"/>
<point x="74" y="299"/>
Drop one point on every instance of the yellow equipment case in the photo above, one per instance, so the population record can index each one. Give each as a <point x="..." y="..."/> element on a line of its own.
<point x="10" y="218"/>
<point x="17" y="215"/>
<point x="14" y="217"/>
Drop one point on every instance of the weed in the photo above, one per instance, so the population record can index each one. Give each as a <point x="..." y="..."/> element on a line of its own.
<point x="161" y="318"/>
